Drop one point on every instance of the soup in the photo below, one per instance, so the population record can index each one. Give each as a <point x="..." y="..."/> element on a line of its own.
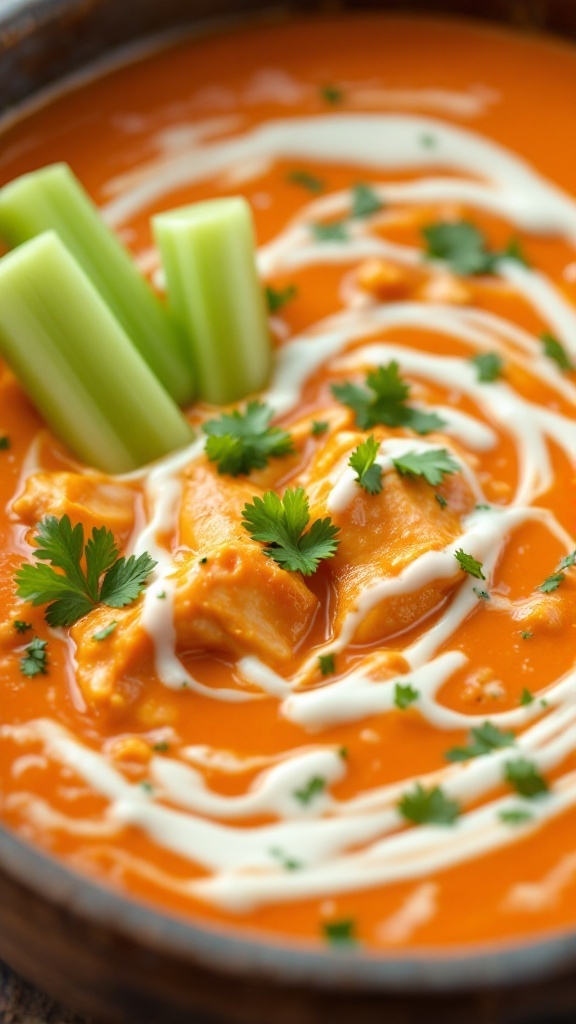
<point x="371" y="739"/>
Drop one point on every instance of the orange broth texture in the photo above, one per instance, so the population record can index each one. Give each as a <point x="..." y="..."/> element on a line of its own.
<point x="480" y="878"/>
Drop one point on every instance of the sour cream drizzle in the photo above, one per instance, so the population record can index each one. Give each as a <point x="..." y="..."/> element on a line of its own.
<point x="341" y="846"/>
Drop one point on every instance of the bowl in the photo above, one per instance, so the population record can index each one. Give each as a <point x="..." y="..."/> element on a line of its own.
<point x="119" y="961"/>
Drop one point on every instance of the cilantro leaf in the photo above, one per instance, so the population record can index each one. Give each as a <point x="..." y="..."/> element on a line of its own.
<point x="567" y="562"/>
<point x="279" y="523"/>
<point x="515" y="816"/>
<point x="405" y="695"/>
<point x="551" y="583"/>
<point x="335" y="231"/>
<point x="75" y="591"/>
<point x="35" y="660"/>
<point x="441" y="501"/>
<point x="383" y="400"/>
<point x="308" y="181"/>
<point x="525" y="778"/>
<point x="485" y="738"/>
<point x="428" y="806"/>
<point x="363" y="462"/>
<point x="489" y="366"/>
<point x="287" y="862"/>
<point x="241" y="441"/>
<point x="5" y="443"/>
<point x="21" y="627"/>
<point x="433" y="465"/>
<point x="526" y="698"/>
<point x="331" y="93"/>
<point x="102" y="634"/>
<point x="556" y="351"/>
<point x="365" y="201"/>
<point x="319" y="427"/>
<point x="276" y="299"/>
<point x="313" y="788"/>
<point x="464" y="247"/>
<point x="339" y="933"/>
<point x="327" y="664"/>
<point x="470" y="565"/>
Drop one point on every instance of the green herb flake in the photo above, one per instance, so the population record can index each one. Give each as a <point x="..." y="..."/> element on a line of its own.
<point x="35" y="660"/>
<point x="464" y="247"/>
<point x="433" y="465"/>
<point x="91" y="575"/>
<point x="551" y="583"/>
<point x="469" y="564"/>
<point x="482" y="595"/>
<point x="555" y="351"/>
<point x="524" y="777"/>
<point x="368" y="471"/>
<point x="161" y="748"/>
<point x="203" y="561"/>
<point x="239" y="442"/>
<point x="441" y="501"/>
<point x="428" y="141"/>
<point x="276" y="299"/>
<point x="280" y="523"/>
<point x="21" y="627"/>
<point x="340" y="933"/>
<point x="147" y="787"/>
<point x="287" y="862"/>
<point x="489" y="366"/>
<point x="384" y="400"/>
<point x="365" y="201"/>
<point x="313" y="788"/>
<point x="5" y="443"/>
<point x="331" y="93"/>
<point x="526" y="698"/>
<point x="428" y="806"/>
<point x="405" y="695"/>
<point x="308" y="181"/>
<point x="526" y="634"/>
<point x="336" y="231"/>
<point x="327" y="664"/>
<point x="103" y="633"/>
<point x="568" y="561"/>
<point x="484" y="740"/>
<point x="515" y="816"/>
<point x="319" y="427"/>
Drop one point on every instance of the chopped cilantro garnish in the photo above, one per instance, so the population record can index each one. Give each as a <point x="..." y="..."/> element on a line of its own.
<point x="513" y="250"/>
<point x="552" y="582"/>
<point x="5" y="443"/>
<point x="308" y="181"/>
<point x="340" y="933"/>
<point x="147" y="787"/>
<point x="22" y="627"/>
<point x="331" y="93"/>
<point x="526" y="634"/>
<point x="428" y="806"/>
<point x="363" y="462"/>
<point x="484" y="739"/>
<point x="556" y="351"/>
<point x="526" y="697"/>
<point x="241" y="441"/>
<point x="405" y="695"/>
<point x="464" y="247"/>
<point x="525" y="778"/>
<point x="313" y="788"/>
<point x="365" y="201"/>
<point x="280" y="523"/>
<point x="327" y="663"/>
<point x="384" y="400"/>
<point x="161" y="748"/>
<point x="489" y="366"/>
<point x="276" y="299"/>
<point x="428" y="140"/>
<point x="433" y="465"/>
<point x="336" y="231"/>
<point x="515" y="816"/>
<point x="441" y="501"/>
<point x="103" y="633"/>
<point x="287" y="862"/>
<point x="567" y="562"/>
<point x="482" y="595"/>
<point x="470" y="565"/>
<point x="92" y="574"/>
<point x="35" y="660"/>
<point x="319" y="427"/>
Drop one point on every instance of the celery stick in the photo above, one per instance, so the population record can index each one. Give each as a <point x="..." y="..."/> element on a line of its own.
<point x="77" y="364"/>
<point x="53" y="199"/>
<point x="213" y="288"/>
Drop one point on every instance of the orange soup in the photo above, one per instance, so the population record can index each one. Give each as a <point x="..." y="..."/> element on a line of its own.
<point x="371" y="739"/>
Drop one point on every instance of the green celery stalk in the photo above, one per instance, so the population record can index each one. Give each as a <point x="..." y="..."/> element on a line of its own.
<point x="208" y="254"/>
<point x="78" y="365"/>
<point x="52" y="199"/>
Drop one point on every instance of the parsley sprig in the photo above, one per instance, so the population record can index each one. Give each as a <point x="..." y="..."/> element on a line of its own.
<point x="484" y="739"/>
<point x="464" y="247"/>
<point x="428" y="806"/>
<point x="433" y="465"/>
<point x="35" y="659"/>
<point x="384" y="400"/>
<point x="489" y="366"/>
<point x="241" y="441"/>
<point x="281" y="523"/>
<point x="469" y="564"/>
<point x="525" y="778"/>
<point x="91" y="574"/>
<point x="363" y="462"/>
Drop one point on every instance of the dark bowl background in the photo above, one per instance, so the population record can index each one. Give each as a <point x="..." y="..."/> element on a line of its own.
<point x="119" y="961"/>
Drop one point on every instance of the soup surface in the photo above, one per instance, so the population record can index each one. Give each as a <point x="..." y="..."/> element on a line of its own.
<point x="382" y="751"/>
